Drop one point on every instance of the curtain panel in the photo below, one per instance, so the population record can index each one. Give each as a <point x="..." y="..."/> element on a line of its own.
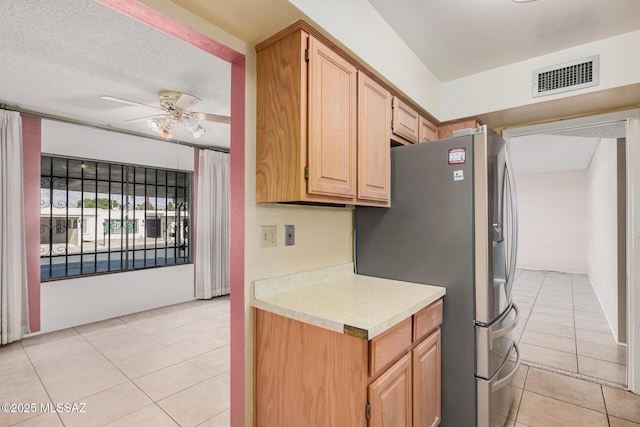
<point x="14" y="313"/>
<point x="213" y="234"/>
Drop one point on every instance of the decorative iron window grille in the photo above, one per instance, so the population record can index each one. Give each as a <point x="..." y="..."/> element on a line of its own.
<point x="98" y="217"/>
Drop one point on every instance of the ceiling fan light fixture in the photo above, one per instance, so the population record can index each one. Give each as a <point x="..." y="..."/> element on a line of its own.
<point x="162" y="126"/>
<point x="193" y="126"/>
<point x="198" y="132"/>
<point x="155" y="124"/>
<point x="164" y="132"/>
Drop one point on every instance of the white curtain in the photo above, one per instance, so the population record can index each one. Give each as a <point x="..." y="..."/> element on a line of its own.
<point x="212" y="236"/>
<point x="14" y="314"/>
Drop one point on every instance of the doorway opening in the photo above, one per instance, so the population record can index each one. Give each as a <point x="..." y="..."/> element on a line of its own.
<point x="574" y="283"/>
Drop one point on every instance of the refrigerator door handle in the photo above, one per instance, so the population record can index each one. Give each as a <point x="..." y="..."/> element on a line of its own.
<point x="510" y="327"/>
<point x="507" y="379"/>
<point x="513" y="224"/>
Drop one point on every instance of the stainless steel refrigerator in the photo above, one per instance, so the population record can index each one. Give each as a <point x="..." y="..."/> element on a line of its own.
<point x="452" y="222"/>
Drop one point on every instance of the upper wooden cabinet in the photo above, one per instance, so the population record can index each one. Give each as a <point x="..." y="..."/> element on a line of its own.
<point x="374" y="134"/>
<point x="428" y="131"/>
<point x="318" y="139"/>
<point x="406" y="122"/>
<point x="332" y="123"/>
<point x="446" y="130"/>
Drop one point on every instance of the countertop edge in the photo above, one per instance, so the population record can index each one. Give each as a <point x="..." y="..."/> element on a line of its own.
<point x="393" y="321"/>
<point x="369" y="332"/>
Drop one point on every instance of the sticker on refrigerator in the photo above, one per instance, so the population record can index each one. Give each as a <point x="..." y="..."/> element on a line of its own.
<point x="457" y="156"/>
<point x="458" y="175"/>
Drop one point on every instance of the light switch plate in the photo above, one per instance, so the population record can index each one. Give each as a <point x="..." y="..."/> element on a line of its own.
<point x="289" y="235"/>
<point x="268" y="236"/>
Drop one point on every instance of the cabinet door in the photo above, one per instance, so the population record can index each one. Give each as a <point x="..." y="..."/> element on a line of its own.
<point x="428" y="131"/>
<point x="426" y="382"/>
<point x="390" y="396"/>
<point x="374" y="140"/>
<point x="406" y="121"/>
<point x="332" y="123"/>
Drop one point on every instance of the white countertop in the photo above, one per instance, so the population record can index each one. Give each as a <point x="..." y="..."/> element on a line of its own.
<point x="335" y="298"/>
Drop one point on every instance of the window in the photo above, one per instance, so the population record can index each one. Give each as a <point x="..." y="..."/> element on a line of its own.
<point x="100" y="217"/>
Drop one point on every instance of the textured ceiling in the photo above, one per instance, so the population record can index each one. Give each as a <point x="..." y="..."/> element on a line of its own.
<point x="456" y="38"/>
<point x="60" y="60"/>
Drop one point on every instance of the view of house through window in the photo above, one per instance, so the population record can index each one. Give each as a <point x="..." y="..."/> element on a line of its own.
<point x="100" y="217"/>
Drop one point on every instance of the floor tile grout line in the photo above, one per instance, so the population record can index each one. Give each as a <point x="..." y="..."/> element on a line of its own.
<point x="575" y="332"/>
<point x="604" y="399"/>
<point x="605" y="413"/>
<point x="524" y="383"/>
<point x="35" y="370"/>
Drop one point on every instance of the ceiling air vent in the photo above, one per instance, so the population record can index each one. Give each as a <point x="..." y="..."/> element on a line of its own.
<point x="565" y="77"/>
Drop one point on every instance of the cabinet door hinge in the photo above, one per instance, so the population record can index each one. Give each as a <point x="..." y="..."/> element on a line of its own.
<point x="392" y="106"/>
<point x="367" y="411"/>
<point x="391" y="124"/>
<point x="306" y="172"/>
<point x="306" y="55"/>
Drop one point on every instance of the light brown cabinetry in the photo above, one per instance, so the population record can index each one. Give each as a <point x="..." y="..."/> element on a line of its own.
<point x="426" y="381"/>
<point x="314" y="141"/>
<point x="390" y="396"/>
<point x="332" y="123"/>
<point x="409" y="127"/>
<point x="428" y="131"/>
<point x="374" y="150"/>
<point x="446" y="130"/>
<point x="307" y="375"/>
<point x="406" y="122"/>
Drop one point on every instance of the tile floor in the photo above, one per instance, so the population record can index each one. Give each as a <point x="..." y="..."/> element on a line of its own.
<point x="562" y="327"/>
<point x="573" y="373"/>
<point x="170" y="366"/>
<point x="163" y="367"/>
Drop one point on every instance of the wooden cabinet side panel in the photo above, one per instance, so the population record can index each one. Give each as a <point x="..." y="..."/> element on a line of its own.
<point x="406" y="121"/>
<point x="281" y="119"/>
<point x="306" y="375"/>
<point x="390" y="396"/>
<point x="332" y="123"/>
<point x="374" y="135"/>
<point x="446" y="130"/>
<point x="426" y="382"/>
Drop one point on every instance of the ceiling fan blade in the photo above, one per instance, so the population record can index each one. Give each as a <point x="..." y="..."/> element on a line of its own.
<point x="211" y="117"/>
<point x="141" y="118"/>
<point x="186" y="102"/>
<point x="126" y="101"/>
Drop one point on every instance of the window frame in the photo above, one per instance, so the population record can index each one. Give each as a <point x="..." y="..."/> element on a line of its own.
<point x="87" y="181"/>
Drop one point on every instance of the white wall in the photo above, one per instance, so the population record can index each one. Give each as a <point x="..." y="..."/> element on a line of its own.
<point x="66" y="303"/>
<point x="359" y="28"/>
<point x="552" y="221"/>
<point x="511" y="86"/>
<point x="71" y="302"/>
<point x="602" y="229"/>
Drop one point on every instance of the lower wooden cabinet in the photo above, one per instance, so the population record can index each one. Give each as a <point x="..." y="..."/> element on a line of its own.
<point x="408" y="393"/>
<point x="305" y="375"/>
<point x="390" y="396"/>
<point x="426" y="382"/>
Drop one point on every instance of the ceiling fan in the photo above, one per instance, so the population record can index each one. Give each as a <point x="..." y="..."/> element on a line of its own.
<point x="175" y="108"/>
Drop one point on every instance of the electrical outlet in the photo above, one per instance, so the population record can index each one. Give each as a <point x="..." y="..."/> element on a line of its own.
<point x="268" y="236"/>
<point x="289" y="235"/>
